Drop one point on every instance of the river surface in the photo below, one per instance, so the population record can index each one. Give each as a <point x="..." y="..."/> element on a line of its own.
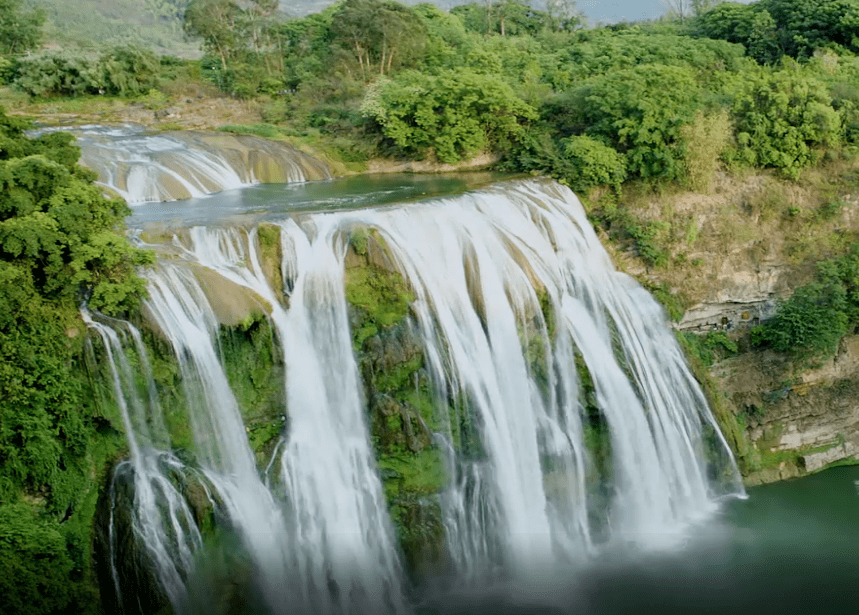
<point x="790" y="547"/>
<point x="261" y="201"/>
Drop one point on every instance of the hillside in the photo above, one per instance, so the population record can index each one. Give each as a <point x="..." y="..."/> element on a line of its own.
<point x="94" y="24"/>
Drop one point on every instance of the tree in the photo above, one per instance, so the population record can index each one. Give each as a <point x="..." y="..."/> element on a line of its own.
<point x="809" y="324"/>
<point x="61" y="242"/>
<point x="681" y="9"/>
<point x="217" y="22"/>
<point x="449" y="115"/>
<point x="563" y="15"/>
<point x="640" y="112"/>
<point x="20" y="30"/>
<point x="379" y="34"/>
<point x="805" y="25"/>
<point x="781" y="118"/>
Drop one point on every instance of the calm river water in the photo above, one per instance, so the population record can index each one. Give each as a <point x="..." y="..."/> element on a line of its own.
<point x="791" y="547"/>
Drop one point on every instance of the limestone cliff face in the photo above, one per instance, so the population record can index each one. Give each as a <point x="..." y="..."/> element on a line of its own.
<point x="796" y="421"/>
<point x="733" y="254"/>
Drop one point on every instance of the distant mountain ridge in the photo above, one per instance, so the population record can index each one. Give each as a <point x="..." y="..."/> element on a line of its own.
<point x="157" y="24"/>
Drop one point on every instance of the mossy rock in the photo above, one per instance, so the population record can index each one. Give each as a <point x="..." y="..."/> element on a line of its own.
<point x="254" y="367"/>
<point x="374" y="285"/>
<point x="271" y="255"/>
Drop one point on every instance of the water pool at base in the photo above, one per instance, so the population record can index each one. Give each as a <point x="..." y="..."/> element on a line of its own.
<point x="791" y="547"/>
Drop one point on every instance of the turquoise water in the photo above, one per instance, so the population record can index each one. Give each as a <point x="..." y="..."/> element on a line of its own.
<point x="791" y="547"/>
<point x="273" y="200"/>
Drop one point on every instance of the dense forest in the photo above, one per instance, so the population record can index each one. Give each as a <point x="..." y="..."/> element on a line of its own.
<point x="770" y="86"/>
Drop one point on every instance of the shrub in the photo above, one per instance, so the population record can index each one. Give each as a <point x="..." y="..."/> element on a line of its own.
<point x="811" y="322"/>
<point x="594" y="163"/>
<point x="706" y="138"/>
<point x="57" y="74"/>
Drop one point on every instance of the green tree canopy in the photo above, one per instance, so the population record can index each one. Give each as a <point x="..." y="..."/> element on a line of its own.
<point x="380" y="35"/>
<point x="782" y="118"/>
<point x="451" y="114"/>
<point x="640" y="113"/>
<point x="772" y="28"/>
<point x="20" y="30"/>
<point x="61" y="242"/>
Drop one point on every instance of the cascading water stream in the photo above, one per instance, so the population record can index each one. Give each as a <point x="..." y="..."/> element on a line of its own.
<point x="517" y="310"/>
<point x="161" y="516"/>
<point x="473" y="263"/>
<point x="180" y="309"/>
<point x="339" y="529"/>
<point x="142" y="167"/>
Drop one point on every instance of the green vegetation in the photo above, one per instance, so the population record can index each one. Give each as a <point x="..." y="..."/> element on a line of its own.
<point x="254" y="369"/>
<point x="61" y="244"/>
<point x="812" y="321"/>
<point x="709" y="347"/>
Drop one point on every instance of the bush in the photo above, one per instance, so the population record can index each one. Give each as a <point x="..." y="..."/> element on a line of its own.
<point x="129" y="71"/>
<point x="844" y="270"/>
<point x="57" y="74"/>
<point x="810" y="323"/>
<point x="594" y="164"/>
<point x="780" y="118"/>
<point x="124" y="71"/>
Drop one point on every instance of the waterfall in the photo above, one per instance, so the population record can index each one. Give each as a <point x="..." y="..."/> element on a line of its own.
<point x="587" y="428"/>
<point x="161" y="518"/>
<point x="143" y="168"/>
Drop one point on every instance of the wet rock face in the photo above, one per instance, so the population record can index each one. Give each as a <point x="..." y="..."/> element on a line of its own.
<point x="401" y="404"/>
<point x="128" y="573"/>
<point x="797" y="420"/>
<point x="121" y="559"/>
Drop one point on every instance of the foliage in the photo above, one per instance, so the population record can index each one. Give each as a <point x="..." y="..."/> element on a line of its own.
<point x="129" y="71"/>
<point x="772" y="28"/>
<point x="60" y="242"/>
<point x="844" y="271"/>
<point x="600" y="51"/>
<point x="34" y="563"/>
<point x="593" y="163"/>
<point x="809" y="324"/>
<point x="217" y="23"/>
<point x="451" y="114"/>
<point x="805" y="25"/>
<point x="708" y="347"/>
<point x="57" y="74"/>
<point x="380" y="35"/>
<point x="122" y="71"/>
<point x="510" y="17"/>
<point x="747" y="24"/>
<point x="640" y="112"/>
<point x="243" y="36"/>
<point x="20" y="30"/>
<point x="706" y="139"/>
<point x="781" y="117"/>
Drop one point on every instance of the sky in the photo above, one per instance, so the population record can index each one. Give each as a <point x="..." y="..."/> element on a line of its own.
<point x="620" y="10"/>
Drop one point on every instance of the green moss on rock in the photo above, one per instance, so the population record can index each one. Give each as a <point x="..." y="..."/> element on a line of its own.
<point x="255" y="372"/>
